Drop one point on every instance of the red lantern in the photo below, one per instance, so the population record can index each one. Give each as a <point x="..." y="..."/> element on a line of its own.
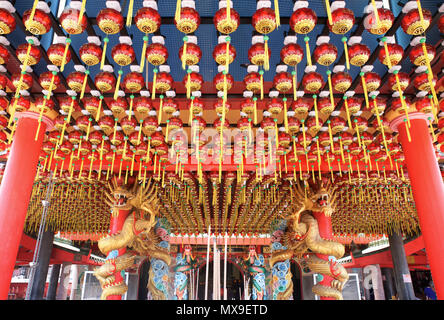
<point x="23" y="103"/>
<point x="312" y="126"/>
<point x="104" y="81"/>
<point x="398" y="106"/>
<point x="188" y="20"/>
<point x="267" y="123"/>
<point x="284" y="139"/>
<point x="324" y="106"/>
<point x="95" y="137"/>
<point x="75" y="81"/>
<point x="40" y="24"/>
<point x="3" y="81"/>
<point x="302" y="105"/>
<point x="156" y="54"/>
<point x="7" y="22"/>
<point x="411" y="22"/>
<point x="337" y="124"/>
<point x="226" y="25"/>
<point x="353" y="104"/>
<point x="128" y="124"/>
<point x="110" y="21"/>
<point x="283" y="82"/>
<point x="325" y="54"/>
<point x="264" y="20"/>
<point x="91" y="104"/>
<point x="34" y="54"/>
<point x="65" y="104"/>
<point x="193" y="54"/>
<point x="106" y="123"/>
<point x="56" y="52"/>
<point x="303" y="20"/>
<point x="422" y="83"/>
<point x="253" y="82"/>
<point x="347" y="138"/>
<point x="256" y="54"/>
<point x="118" y="106"/>
<point x="147" y="20"/>
<point x="21" y="81"/>
<point x="404" y="81"/>
<point x="133" y="82"/>
<point x="343" y="20"/>
<point x="354" y="148"/>
<point x="194" y="80"/>
<point x="45" y="80"/>
<point x="395" y="54"/>
<point x="441" y="23"/>
<point x="4" y="54"/>
<point x="324" y="138"/>
<point x="424" y="105"/>
<point x="90" y="54"/>
<point x="386" y="19"/>
<point x="341" y="81"/>
<point x="123" y="54"/>
<point x="220" y="53"/>
<point x="247" y="106"/>
<point x="46" y="104"/>
<point x="312" y="82"/>
<point x="196" y="106"/>
<point x="293" y="125"/>
<point x="219" y="81"/>
<point x="69" y="20"/>
<point x="220" y="107"/>
<point x="164" y="82"/>
<point x="170" y="106"/>
<point x="150" y="125"/>
<point x="417" y="56"/>
<point x="292" y="54"/>
<point x="83" y="123"/>
<point x="74" y="137"/>
<point x="117" y="138"/>
<point x="66" y="147"/>
<point x="275" y="106"/>
<point x="372" y="81"/>
<point x="358" y="54"/>
<point x="142" y="104"/>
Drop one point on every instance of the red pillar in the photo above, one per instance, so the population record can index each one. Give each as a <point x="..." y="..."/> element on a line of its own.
<point x="326" y="232"/>
<point x="428" y="189"/>
<point x="115" y="226"/>
<point x="16" y="189"/>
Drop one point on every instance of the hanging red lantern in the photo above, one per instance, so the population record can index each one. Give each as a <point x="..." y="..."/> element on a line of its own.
<point x="303" y="20"/>
<point x="220" y="53"/>
<point x="170" y="106"/>
<point x="220" y="79"/>
<point x="275" y="106"/>
<point x="226" y="20"/>
<point x="95" y="137"/>
<point x="66" y="103"/>
<point x="284" y="139"/>
<point x="23" y="103"/>
<point x="69" y="20"/>
<point x="354" y="148"/>
<point x="196" y="106"/>
<point x="353" y="104"/>
<point x="106" y="123"/>
<point x="104" y="81"/>
<point x="325" y="54"/>
<point x="22" y="81"/>
<point x="324" y="106"/>
<point x="188" y="20"/>
<point x="312" y="82"/>
<point x="358" y="54"/>
<point x="293" y="125"/>
<point x="412" y="23"/>
<point x="110" y="21"/>
<point x="133" y="82"/>
<point x="4" y="55"/>
<point x="45" y="104"/>
<point x="341" y="81"/>
<point x="33" y="57"/>
<point x="404" y="81"/>
<point x="56" y="53"/>
<point x="346" y="138"/>
<point x="343" y="20"/>
<point x="395" y="54"/>
<point x="424" y="105"/>
<point x="118" y="106"/>
<point x="292" y="54"/>
<point x="83" y="123"/>
<point x="123" y="54"/>
<point x="247" y="106"/>
<point x="40" y="22"/>
<point x="324" y="138"/>
<point x="128" y="124"/>
<point x="384" y="124"/>
<point x="156" y="54"/>
<point x="164" y="82"/>
<point x="66" y="147"/>
<point x="7" y="22"/>
<point x="45" y="80"/>
<point x="193" y="53"/>
<point x="386" y="19"/>
<point x="220" y="106"/>
<point x="301" y="105"/>
<point x="267" y="123"/>
<point x="243" y="125"/>
<point x="422" y="83"/>
<point x="150" y="125"/>
<point x="257" y="55"/>
<point x="313" y="126"/>
<point x="441" y="23"/>
<point x="417" y="56"/>
<point x="75" y="81"/>
<point x="75" y="136"/>
<point x="337" y="124"/>
<point x="252" y="82"/>
<point x="147" y="20"/>
<point x="194" y="80"/>
<point x="91" y="104"/>
<point x="142" y="105"/>
<point x="398" y="106"/>
<point x="264" y="20"/>
<point x="283" y="82"/>
<point x="372" y="81"/>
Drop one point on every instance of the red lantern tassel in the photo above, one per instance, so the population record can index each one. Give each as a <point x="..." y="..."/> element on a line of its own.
<point x="276" y="12"/>
<point x="142" y="58"/>
<point x="85" y="79"/>
<point x="65" y="53"/>
<point x="153" y="96"/>
<point x="34" y="7"/>
<point x="105" y="45"/>
<point x="267" y="58"/>
<point x="129" y="15"/>
<point x="116" y="91"/>
<point x="82" y="11"/>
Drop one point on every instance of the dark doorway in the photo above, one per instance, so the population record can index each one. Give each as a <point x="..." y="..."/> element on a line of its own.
<point x="296" y="278"/>
<point x="144" y="269"/>
<point x="235" y="281"/>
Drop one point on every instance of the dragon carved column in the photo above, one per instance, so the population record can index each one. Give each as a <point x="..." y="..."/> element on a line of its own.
<point x="282" y="285"/>
<point x="159" y="269"/>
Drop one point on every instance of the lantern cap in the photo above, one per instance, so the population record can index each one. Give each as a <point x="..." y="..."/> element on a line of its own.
<point x="170" y="93"/>
<point x="310" y="68"/>
<point x="354" y="40"/>
<point x="369" y="8"/>
<point x="322" y="39"/>
<point x="421" y="69"/>
<point x="257" y="39"/>
<point x="324" y="94"/>
<point x="158" y="39"/>
<point x="113" y="5"/>
<point x="164" y="68"/>
<point x="395" y="69"/>
<point x="337" y="5"/>
<point x="188" y="4"/>
<point x="34" y="40"/>
<point x="7" y="6"/>
<point x="95" y="93"/>
<point x="281" y="68"/>
<point x="150" y="4"/>
<point x="252" y="68"/>
<point x="263" y="4"/>
<point x="4" y="41"/>
<point x="126" y="40"/>
<point x="79" y="68"/>
<point x="108" y="68"/>
<point x="300" y="4"/>
<point x="290" y="39"/>
<point x="135" y="68"/>
<point x="223" y="4"/>
<point x="247" y="94"/>
<point x="388" y="39"/>
<point x="338" y="68"/>
<point x="144" y="93"/>
<point x="273" y="94"/>
<point x="367" y="68"/>
<point x="410" y="5"/>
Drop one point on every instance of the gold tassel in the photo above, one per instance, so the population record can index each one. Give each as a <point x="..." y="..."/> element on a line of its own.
<point x="261" y="72"/>
<point x="364" y="87"/>
<point x="328" y="9"/>
<point x="307" y="49"/>
<point x="389" y="62"/>
<point x="188" y="85"/>
<point x="98" y="108"/>
<point x="105" y="44"/>
<point x="129" y="16"/>
<point x="153" y="96"/>
<point x="159" y="116"/>
<point x="184" y="52"/>
<point x="255" y="109"/>
<point x="82" y="92"/>
<point x="316" y="109"/>
<point x="331" y="136"/>
<point x="267" y="58"/>
<point x="82" y="11"/>
<point x="276" y="12"/>
<point x="34" y="7"/>
<point x="285" y="114"/>
<point x="330" y="87"/>
<point x="116" y="91"/>
<point x="130" y="111"/>
<point x="227" y="54"/>
<point x="142" y="58"/>
<point x="348" y="112"/>
<point x="378" y="22"/>
<point x="178" y="10"/>
<point x="294" y="74"/>
<point x="347" y="60"/>
<point x="65" y="53"/>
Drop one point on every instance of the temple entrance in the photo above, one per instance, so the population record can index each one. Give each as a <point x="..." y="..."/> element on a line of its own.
<point x="144" y="269"/>
<point x="296" y="278"/>
<point x="235" y="281"/>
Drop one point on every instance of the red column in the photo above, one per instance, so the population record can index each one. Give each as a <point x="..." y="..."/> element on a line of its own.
<point x="15" y="191"/>
<point x="428" y="190"/>
<point x="115" y="226"/>
<point x="326" y="232"/>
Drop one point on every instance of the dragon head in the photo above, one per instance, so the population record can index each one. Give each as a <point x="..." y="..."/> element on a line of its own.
<point x="324" y="200"/>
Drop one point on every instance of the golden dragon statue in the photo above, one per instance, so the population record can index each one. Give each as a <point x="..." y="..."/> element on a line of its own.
<point x="302" y="236"/>
<point x="137" y="235"/>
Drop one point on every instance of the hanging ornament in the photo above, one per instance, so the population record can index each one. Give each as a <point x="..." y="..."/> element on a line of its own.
<point x="72" y="22"/>
<point x="342" y="20"/>
<point x="28" y="54"/>
<point x="110" y="21"/>
<point x="372" y="81"/>
<point x="264" y="20"/>
<point x="164" y="82"/>
<point x="258" y="55"/>
<point x="22" y="81"/>
<point x="220" y="53"/>
<point x="104" y="81"/>
<point x="283" y="82"/>
<point x="226" y="19"/>
<point x="133" y="82"/>
<point x="291" y="54"/>
<point x="223" y="81"/>
<point x="312" y="82"/>
<point x="36" y="20"/>
<point x="275" y="106"/>
<point x="7" y="22"/>
<point x="403" y="80"/>
<point x="416" y="22"/>
<point x="190" y="53"/>
<point x="337" y="124"/>
<point x="325" y="54"/>
<point x="391" y="54"/>
<point x="58" y="55"/>
<point x="303" y="20"/>
<point x="75" y="81"/>
<point x="341" y="81"/>
<point x="4" y="55"/>
<point x="422" y="52"/>
<point x="325" y="107"/>
<point x="301" y="106"/>
<point x="422" y="83"/>
<point x="156" y="54"/>
<point x="193" y="81"/>
<point x="382" y="24"/>
<point x="220" y="107"/>
<point x="424" y="105"/>
<point x="188" y="20"/>
<point x="358" y="54"/>
<point x="49" y="80"/>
